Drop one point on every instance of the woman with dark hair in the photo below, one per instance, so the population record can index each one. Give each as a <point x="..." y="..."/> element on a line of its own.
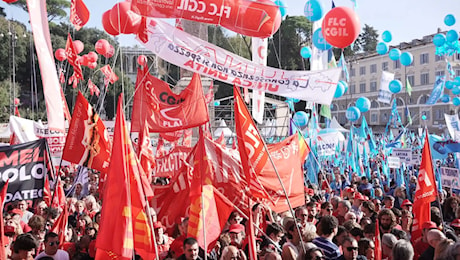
<point x="368" y="208"/>
<point x="450" y="208"/>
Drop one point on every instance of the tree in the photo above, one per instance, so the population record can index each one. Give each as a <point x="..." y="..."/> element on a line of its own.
<point x="294" y="32"/>
<point x="367" y="40"/>
<point x="55" y="8"/>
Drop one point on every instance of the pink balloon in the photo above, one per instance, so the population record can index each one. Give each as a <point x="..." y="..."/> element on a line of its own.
<point x="102" y="46"/>
<point x="123" y="19"/>
<point x="108" y="25"/>
<point x="92" y="65"/>
<point x="79" y="46"/>
<point x="60" y="54"/>
<point x="142" y="60"/>
<point x="110" y="52"/>
<point x="17" y="101"/>
<point x="92" y="56"/>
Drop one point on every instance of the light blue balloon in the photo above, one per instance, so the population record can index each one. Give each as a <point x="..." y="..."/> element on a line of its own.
<point x="456" y="90"/>
<point x="382" y="48"/>
<point x="424" y="117"/>
<point x="216" y="103"/>
<point x="406" y="58"/>
<point x="449" y="20"/>
<point x="452" y="36"/>
<point x="445" y="98"/>
<point x="313" y="10"/>
<point x="363" y="104"/>
<point x="305" y="52"/>
<point x="386" y="36"/>
<point x="353" y="114"/>
<point x="346" y="86"/>
<point x="449" y="84"/>
<point x="456" y="101"/>
<point x="295" y="100"/>
<point x="339" y="90"/>
<point x="439" y="40"/>
<point x="457" y="81"/>
<point x="319" y="41"/>
<point x="395" y="86"/>
<point x="394" y="54"/>
<point x="282" y="6"/>
<point x="300" y="118"/>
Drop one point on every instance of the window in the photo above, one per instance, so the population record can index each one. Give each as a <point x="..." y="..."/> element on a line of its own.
<point x="398" y="78"/>
<point x="352" y="89"/>
<point x="374" y="118"/>
<point x="352" y="72"/>
<point x="373" y="86"/>
<point x="423" y="99"/>
<point x="457" y="56"/>
<point x="427" y="114"/>
<point x="396" y="64"/>
<point x="457" y="72"/>
<point x="424" y="58"/>
<point x="374" y="104"/>
<point x="385" y="65"/>
<point x="373" y="68"/>
<point x="362" y="87"/>
<point x="440" y="73"/>
<point x="424" y="79"/>
<point x="439" y="114"/>
<point x="411" y="79"/>
<point x="438" y="58"/>
<point x="362" y="70"/>
<point x="384" y="117"/>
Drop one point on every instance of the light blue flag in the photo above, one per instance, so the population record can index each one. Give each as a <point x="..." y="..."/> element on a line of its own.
<point x="399" y="179"/>
<point x="82" y="179"/>
<point x="343" y="64"/>
<point x="366" y="163"/>
<point x="355" y="3"/>
<point x="437" y="175"/>
<point x="450" y="69"/>
<point x="407" y="183"/>
<point x="437" y="91"/>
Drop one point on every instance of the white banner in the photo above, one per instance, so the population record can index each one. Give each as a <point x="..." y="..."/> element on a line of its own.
<point x="394" y="162"/>
<point x="259" y="56"/>
<point x="188" y="52"/>
<point x="404" y="154"/>
<point x="450" y="178"/>
<point x="453" y="125"/>
<point x="326" y="143"/>
<point x="384" y="92"/>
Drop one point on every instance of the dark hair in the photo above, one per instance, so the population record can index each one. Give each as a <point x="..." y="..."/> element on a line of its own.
<point x="387" y="212"/>
<point x="369" y="205"/>
<point x="190" y="241"/>
<point x="325" y="205"/>
<point x="24" y="242"/>
<point x="356" y="231"/>
<point x="397" y="212"/>
<point x="311" y="204"/>
<point x="273" y="228"/>
<point x="399" y="234"/>
<point x="45" y="258"/>
<point x="436" y="216"/>
<point x="363" y="245"/>
<point x="327" y="225"/>
<point x="369" y="229"/>
<point x="50" y="235"/>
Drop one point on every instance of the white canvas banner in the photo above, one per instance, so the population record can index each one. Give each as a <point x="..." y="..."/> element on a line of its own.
<point x="453" y="125"/>
<point x="404" y="154"/>
<point x="394" y="162"/>
<point x="259" y="56"/>
<point x="191" y="53"/>
<point x="450" y="178"/>
<point x="326" y="143"/>
<point x="384" y="92"/>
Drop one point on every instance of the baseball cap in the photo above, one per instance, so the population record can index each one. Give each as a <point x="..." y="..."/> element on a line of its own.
<point x="429" y="225"/>
<point x="236" y="228"/>
<point x="455" y="223"/>
<point x="406" y="202"/>
<point x="359" y="196"/>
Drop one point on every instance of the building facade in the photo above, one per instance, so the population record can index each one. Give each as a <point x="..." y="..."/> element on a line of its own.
<point x="365" y="74"/>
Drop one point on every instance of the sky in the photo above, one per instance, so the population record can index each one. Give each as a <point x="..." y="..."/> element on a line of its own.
<point x="405" y="19"/>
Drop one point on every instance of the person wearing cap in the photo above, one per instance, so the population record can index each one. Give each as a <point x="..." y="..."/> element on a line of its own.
<point x="433" y="237"/>
<point x="422" y="244"/>
<point x="455" y="225"/>
<point x="407" y="205"/>
<point x="348" y="193"/>
<point x="237" y="235"/>
<point x="356" y="207"/>
<point x="162" y="239"/>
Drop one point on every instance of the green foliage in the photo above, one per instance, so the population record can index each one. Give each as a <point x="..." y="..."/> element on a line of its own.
<point x="367" y="40"/>
<point x="5" y="104"/>
<point x="294" y="32"/>
<point x="55" y="8"/>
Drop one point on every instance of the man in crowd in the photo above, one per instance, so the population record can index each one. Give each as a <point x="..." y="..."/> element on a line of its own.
<point x="328" y="227"/>
<point x="51" y="248"/>
<point x="191" y="250"/>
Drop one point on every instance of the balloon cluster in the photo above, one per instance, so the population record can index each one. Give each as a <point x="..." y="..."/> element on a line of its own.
<point x="102" y="46"/>
<point x="447" y="44"/>
<point x="120" y="19"/>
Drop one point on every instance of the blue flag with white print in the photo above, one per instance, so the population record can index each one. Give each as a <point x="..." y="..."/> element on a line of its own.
<point x="437" y="91"/>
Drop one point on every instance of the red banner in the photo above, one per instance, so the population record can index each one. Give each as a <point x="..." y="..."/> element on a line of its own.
<point x="87" y="141"/>
<point x="72" y="57"/>
<point x="257" y="19"/>
<point x="79" y="14"/>
<point x="109" y="74"/>
<point x="171" y="163"/>
<point x="164" y="111"/>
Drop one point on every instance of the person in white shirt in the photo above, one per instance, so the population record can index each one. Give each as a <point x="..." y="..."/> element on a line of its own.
<point x="51" y="248"/>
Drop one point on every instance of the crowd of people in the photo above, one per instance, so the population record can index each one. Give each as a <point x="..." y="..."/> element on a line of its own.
<point x="337" y="221"/>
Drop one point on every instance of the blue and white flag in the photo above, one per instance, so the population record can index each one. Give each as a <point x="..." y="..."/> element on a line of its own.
<point x="82" y="179"/>
<point x="437" y="91"/>
<point x="343" y="64"/>
<point x="450" y="69"/>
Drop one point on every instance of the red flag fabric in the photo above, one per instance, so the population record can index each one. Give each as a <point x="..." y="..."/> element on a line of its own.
<point x="79" y="13"/>
<point x="210" y="95"/>
<point x="171" y="163"/>
<point x="165" y="111"/>
<point x="59" y="200"/>
<point x="87" y="142"/>
<point x="47" y="191"/>
<point x="65" y="106"/>
<point x="145" y="154"/>
<point x="60" y="225"/>
<point x="128" y="229"/>
<point x="221" y="139"/>
<point x="377" y="242"/>
<point x="425" y="191"/>
<point x="3" y="242"/>
<point x="187" y="141"/>
<point x="142" y="32"/>
<point x="109" y="74"/>
<point x="93" y="89"/>
<point x="72" y="57"/>
<point x="251" y="235"/>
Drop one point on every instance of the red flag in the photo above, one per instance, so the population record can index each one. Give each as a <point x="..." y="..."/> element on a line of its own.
<point x="93" y="89"/>
<point x="87" y="141"/>
<point x="179" y="24"/>
<point x="161" y="151"/>
<point x="210" y="95"/>
<point x="59" y="200"/>
<point x="60" y="225"/>
<point x="377" y="242"/>
<point x="79" y="14"/>
<point x="425" y="191"/>
<point x="47" y="191"/>
<point x="142" y="32"/>
<point x="187" y="141"/>
<point x="145" y="155"/>
<point x="165" y="111"/>
<point x="72" y="57"/>
<point x="65" y="106"/>
<point x="3" y="243"/>
<point x="109" y="74"/>
<point x="251" y="235"/>
<point x="128" y="228"/>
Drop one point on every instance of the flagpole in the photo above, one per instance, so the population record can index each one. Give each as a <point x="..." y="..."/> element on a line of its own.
<point x="204" y="226"/>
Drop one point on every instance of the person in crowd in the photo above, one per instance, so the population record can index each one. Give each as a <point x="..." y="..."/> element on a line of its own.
<point x="350" y="250"/>
<point x="455" y="225"/>
<point x="406" y="222"/>
<point x="326" y="209"/>
<point x="365" y="187"/>
<point x="40" y="209"/>
<point x="293" y="247"/>
<point x="388" y="242"/>
<point x="237" y="235"/>
<point x="301" y="214"/>
<point x="366" y="248"/>
<point x="312" y="210"/>
<point x="342" y="233"/>
<point x="387" y="220"/>
<point x="369" y="231"/>
<point x="51" y="248"/>
<point x="37" y="224"/>
<point x="406" y="205"/>
<point x="313" y="252"/>
<point x="343" y="208"/>
<point x="232" y="253"/>
<point x="368" y="209"/>
<point x="26" y="214"/>
<point x="403" y="250"/>
<point x="274" y="234"/>
<point x="356" y="207"/>
<point x="24" y="247"/>
<point x="191" y="250"/>
<point x="433" y="238"/>
<point x="399" y="195"/>
<point x="450" y="208"/>
<point x="162" y="239"/>
<point x="328" y="227"/>
<point x="389" y="202"/>
<point x="422" y="243"/>
<point x="441" y="252"/>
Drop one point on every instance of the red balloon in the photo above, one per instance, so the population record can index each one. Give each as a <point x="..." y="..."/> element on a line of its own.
<point x="102" y="46"/>
<point x="341" y="27"/>
<point x="17" y="101"/>
<point x="142" y="60"/>
<point x="123" y="19"/>
<point x="60" y="54"/>
<point x="110" y="52"/>
<point x="10" y="1"/>
<point x="92" y="56"/>
<point x="107" y="25"/>
<point x="79" y="46"/>
<point x="92" y="65"/>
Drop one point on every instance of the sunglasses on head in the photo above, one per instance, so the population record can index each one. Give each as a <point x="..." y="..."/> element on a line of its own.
<point x="53" y="243"/>
<point x="350" y="248"/>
